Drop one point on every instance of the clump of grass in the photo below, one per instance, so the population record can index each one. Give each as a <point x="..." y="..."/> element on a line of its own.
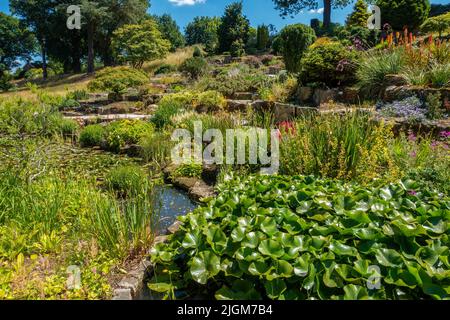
<point x="191" y="170"/>
<point x="127" y="180"/>
<point x="92" y="135"/>
<point x="373" y="69"/>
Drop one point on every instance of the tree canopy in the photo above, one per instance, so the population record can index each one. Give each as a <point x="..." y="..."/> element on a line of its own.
<point x="170" y="31"/>
<point x="401" y="14"/>
<point x="360" y="14"/>
<point x="203" y="30"/>
<point x="234" y="27"/>
<point x="138" y="43"/>
<point x="292" y="7"/>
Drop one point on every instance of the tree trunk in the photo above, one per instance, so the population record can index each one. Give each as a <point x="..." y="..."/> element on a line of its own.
<point x="326" y="13"/>
<point x="44" y="59"/>
<point x="90" y="64"/>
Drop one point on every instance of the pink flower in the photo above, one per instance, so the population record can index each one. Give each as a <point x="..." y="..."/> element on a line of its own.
<point x="412" y="192"/>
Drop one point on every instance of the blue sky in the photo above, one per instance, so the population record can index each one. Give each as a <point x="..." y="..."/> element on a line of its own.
<point x="258" y="11"/>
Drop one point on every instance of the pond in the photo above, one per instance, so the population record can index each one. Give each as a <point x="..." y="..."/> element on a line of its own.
<point x="171" y="203"/>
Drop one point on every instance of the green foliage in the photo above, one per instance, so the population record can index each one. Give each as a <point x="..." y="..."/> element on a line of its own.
<point x="156" y="147"/>
<point x="404" y="13"/>
<point x="368" y="38"/>
<point x="5" y="81"/>
<point x="350" y="146"/>
<point x="438" y="24"/>
<point x="295" y="40"/>
<point x="425" y="159"/>
<point x="434" y="106"/>
<point x="234" y="27"/>
<point x="21" y="117"/>
<point x="281" y="237"/>
<point x="237" y="48"/>
<point x="92" y="135"/>
<point x="191" y="170"/>
<point x="16" y="42"/>
<point x="197" y="52"/>
<point x="171" y="105"/>
<point x="170" y="31"/>
<point x="194" y="67"/>
<point x="439" y="75"/>
<point x="329" y="63"/>
<point x="165" y="68"/>
<point x="118" y="134"/>
<point x="118" y="79"/>
<point x="360" y="15"/>
<point x="115" y="135"/>
<point x="373" y="69"/>
<point x="139" y="43"/>
<point x="203" y="30"/>
<point x="263" y="37"/>
<point x="78" y="95"/>
<point x="126" y="181"/>
<point x="236" y="78"/>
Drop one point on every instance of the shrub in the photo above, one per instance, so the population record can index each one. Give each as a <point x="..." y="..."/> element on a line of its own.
<point x="237" y="48"/>
<point x="351" y="146"/>
<point x="92" y="135"/>
<point x="69" y="103"/>
<point x="295" y="40"/>
<point x="253" y="62"/>
<point x="191" y="170"/>
<point x="118" y="79"/>
<point x="197" y="52"/>
<point x="439" y="75"/>
<point x="126" y="132"/>
<point x="237" y="78"/>
<point x="210" y="101"/>
<point x="5" y="82"/>
<point x="156" y="147"/>
<point x="171" y="105"/>
<point x="165" y="68"/>
<point x="329" y="63"/>
<point x="361" y="37"/>
<point x="375" y="66"/>
<point x="68" y="127"/>
<point x="194" y="67"/>
<point x="278" y="237"/>
<point x="126" y="180"/>
<point x="77" y="95"/>
<point x="404" y="13"/>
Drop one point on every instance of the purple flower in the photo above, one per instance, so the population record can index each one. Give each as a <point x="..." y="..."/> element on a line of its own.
<point x="445" y="134"/>
<point x="413" y="154"/>
<point x="412" y="137"/>
<point x="412" y="192"/>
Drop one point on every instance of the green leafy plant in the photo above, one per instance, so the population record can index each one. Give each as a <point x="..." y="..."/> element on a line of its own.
<point x="304" y="238"/>
<point x="194" y="67"/>
<point x="191" y="170"/>
<point x="295" y="40"/>
<point x="92" y="135"/>
<point x="126" y="180"/>
<point x="329" y="63"/>
<point x="118" y="134"/>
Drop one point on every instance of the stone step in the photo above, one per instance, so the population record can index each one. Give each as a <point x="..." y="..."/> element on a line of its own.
<point x="98" y="118"/>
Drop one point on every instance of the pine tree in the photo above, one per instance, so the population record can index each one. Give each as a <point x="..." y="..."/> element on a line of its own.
<point x="359" y="16"/>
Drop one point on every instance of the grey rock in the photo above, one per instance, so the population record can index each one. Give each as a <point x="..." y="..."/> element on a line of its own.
<point x="175" y="227"/>
<point x="122" y="294"/>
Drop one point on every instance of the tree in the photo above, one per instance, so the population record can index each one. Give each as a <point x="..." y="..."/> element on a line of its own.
<point x="437" y="24"/>
<point x="291" y="7"/>
<point x="170" y="30"/>
<point x="138" y="43"/>
<point x="36" y="15"/>
<point x="359" y="16"/>
<point x="234" y="27"/>
<point x="401" y="14"/>
<point x="263" y="37"/>
<point x="203" y="30"/>
<point x="295" y="39"/>
<point x="16" y="42"/>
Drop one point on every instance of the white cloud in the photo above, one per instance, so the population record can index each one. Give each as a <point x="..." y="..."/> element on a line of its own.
<point x="320" y="10"/>
<point x="186" y="2"/>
